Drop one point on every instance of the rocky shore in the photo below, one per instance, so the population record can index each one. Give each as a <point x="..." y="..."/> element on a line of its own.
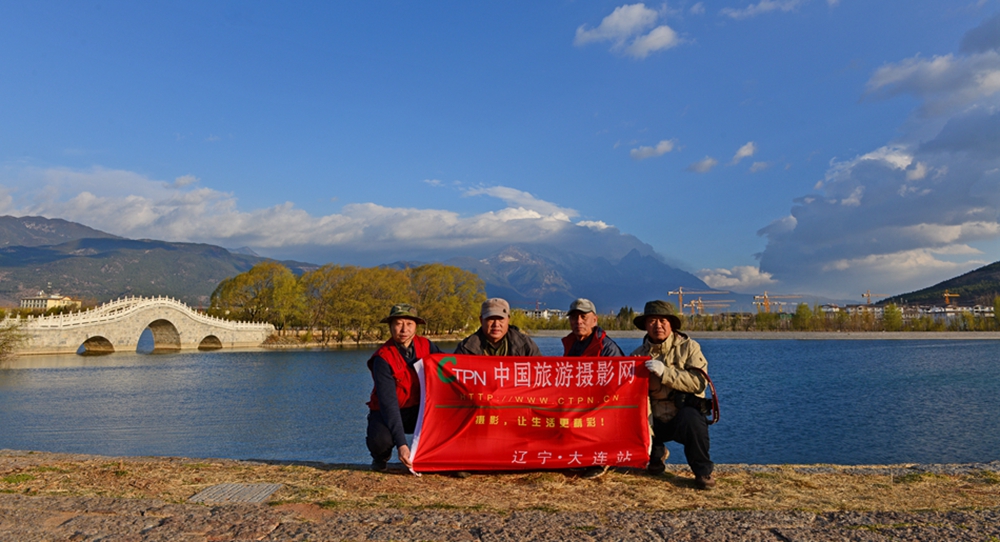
<point x="45" y="496"/>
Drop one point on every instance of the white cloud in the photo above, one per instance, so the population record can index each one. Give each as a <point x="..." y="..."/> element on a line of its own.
<point x="744" y="278"/>
<point x="759" y="166"/>
<point x="764" y="6"/>
<point x="660" y="38"/>
<point x="184" y="180"/>
<point x="134" y="206"/>
<point x="944" y="82"/>
<point x="661" y="148"/>
<point x="703" y="166"/>
<point x="698" y="9"/>
<point x="626" y="29"/>
<point x="746" y="151"/>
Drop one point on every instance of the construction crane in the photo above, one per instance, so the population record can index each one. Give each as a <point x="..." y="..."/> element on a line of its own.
<point x="765" y="300"/>
<point x="680" y="295"/>
<point x="947" y="297"/>
<point x="713" y="304"/>
<point x="868" y="295"/>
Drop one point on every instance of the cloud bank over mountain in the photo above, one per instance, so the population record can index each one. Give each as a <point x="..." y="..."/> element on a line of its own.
<point x="131" y="205"/>
<point x="911" y="212"/>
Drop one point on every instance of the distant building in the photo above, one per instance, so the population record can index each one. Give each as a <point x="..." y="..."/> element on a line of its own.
<point x="44" y="302"/>
<point x="545" y="313"/>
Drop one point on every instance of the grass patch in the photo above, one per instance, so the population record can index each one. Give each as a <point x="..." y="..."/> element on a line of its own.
<point x="913" y="477"/>
<point x="331" y="504"/>
<point x="586" y="528"/>
<point x="196" y="465"/>
<point x="18" y="478"/>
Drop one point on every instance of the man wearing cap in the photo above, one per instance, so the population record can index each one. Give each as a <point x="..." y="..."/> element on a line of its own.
<point x="495" y="336"/>
<point x="674" y="369"/>
<point x="395" y="400"/>
<point x="586" y="337"/>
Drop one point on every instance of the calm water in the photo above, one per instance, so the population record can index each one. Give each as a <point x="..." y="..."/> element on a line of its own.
<point x="845" y="402"/>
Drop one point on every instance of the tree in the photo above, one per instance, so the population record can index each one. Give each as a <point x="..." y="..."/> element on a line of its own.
<point x="10" y="339"/>
<point x="267" y="292"/>
<point x="892" y="318"/>
<point x="447" y="297"/>
<point x="365" y="297"/>
<point x="321" y="289"/>
<point x="802" y="319"/>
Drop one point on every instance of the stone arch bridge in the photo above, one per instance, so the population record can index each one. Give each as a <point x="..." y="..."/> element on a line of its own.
<point x="116" y="326"/>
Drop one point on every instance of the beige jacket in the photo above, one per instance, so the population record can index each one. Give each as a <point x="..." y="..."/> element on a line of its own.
<point x="678" y="353"/>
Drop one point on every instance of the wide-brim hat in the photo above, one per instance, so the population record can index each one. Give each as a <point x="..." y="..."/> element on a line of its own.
<point x="657" y="308"/>
<point x="403" y="310"/>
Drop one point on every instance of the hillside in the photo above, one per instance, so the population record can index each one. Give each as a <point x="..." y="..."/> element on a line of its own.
<point x="35" y="231"/>
<point x="977" y="287"/>
<point x="107" y="267"/>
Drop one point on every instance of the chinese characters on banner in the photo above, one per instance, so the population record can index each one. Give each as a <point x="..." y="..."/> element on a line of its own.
<point x="518" y="413"/>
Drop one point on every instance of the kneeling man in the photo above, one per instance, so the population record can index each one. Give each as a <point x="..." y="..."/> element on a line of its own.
<point x="395" y="401"/>
<point x="675" y="369"/>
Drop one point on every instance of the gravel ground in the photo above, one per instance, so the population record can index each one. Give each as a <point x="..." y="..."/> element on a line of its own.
<point x="43" y="518"/>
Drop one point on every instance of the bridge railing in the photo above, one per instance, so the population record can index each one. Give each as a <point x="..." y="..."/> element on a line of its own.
<point x="121" y="307"/>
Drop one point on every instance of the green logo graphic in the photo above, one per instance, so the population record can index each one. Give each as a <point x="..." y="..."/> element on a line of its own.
<point x="441" y="364"/>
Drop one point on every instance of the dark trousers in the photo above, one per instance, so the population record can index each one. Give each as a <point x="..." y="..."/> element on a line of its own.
<point x="379" y="438"/>
<point x="690" y="428"/>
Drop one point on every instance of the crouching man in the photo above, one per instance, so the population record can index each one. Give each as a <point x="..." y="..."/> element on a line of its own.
<point x="395" y="400"/>
<point x="675" y="369"/>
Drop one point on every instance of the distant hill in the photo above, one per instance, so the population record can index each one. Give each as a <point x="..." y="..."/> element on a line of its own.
<point x="977" y="287"/>
<point x="106" y="267"/>
<point x="527" y="274"/>
<point x="35" y="231"/>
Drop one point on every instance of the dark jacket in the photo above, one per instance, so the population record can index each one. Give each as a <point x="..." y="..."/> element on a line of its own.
<point x="597" y="344"/>
<point x="518" y="344"/>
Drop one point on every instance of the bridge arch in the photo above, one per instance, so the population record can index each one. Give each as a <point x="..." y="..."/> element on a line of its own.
<point x="166" y="338"/>
<point x="122" y="322"/>
<point x="96" y="346"/>
<point x="210" y="343"/>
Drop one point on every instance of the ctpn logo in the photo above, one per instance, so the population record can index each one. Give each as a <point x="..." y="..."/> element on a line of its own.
<point x="441" y="376"/>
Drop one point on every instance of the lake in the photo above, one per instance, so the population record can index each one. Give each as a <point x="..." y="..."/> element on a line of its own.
<point x="782" y="401"/>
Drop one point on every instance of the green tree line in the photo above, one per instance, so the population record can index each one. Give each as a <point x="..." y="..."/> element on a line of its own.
<point x="339" y="303"/>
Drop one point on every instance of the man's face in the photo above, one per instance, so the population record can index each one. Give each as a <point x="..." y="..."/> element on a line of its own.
<point x="495" y="327"/>
<point x="402" y="330"/>
<point x="582" y="324"/>
<point x="658" y="328"/>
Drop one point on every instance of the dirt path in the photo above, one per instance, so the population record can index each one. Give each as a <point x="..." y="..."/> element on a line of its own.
<point x="46" y="496"/>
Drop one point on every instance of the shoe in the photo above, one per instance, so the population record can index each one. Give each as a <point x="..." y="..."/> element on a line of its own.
<point x="704" y="482"/>
<point x="379" y="465"/>
<point x="657" y="458"/>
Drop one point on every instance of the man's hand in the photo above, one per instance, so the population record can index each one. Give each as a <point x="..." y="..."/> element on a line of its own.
<point x="404" y="456"/>
<point x="656" y="367"/>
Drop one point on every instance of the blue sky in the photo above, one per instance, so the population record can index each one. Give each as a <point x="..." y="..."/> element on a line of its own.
<point x="813" y="146"/>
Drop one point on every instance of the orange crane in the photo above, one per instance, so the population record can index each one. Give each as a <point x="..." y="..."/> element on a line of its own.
<point x="713" y="304"/>
<point x="947" y="297"/>
<point x="868" y="295"/>
<point x="680" y="295"/>
<point x="765" y="300"/>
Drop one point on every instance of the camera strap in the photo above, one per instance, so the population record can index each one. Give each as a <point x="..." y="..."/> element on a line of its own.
<point x="715" y="396"/>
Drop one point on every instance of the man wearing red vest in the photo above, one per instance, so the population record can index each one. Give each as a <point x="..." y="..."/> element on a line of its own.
<point x="395" y="400"/>
<point x="587" y="338"/>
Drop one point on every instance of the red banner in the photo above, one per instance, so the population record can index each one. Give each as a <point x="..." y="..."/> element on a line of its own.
<point x="518" y="413"/>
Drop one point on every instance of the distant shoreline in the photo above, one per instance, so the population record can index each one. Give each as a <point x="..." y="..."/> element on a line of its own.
<point x="805" y="335"/>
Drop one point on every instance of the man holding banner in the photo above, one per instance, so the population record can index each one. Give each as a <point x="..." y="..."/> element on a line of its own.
<point x="495" y="336"/>
<point x="678" y="372"/>
<point x="395" y="400"/>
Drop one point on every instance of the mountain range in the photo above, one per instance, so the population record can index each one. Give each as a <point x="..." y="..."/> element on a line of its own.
<point x="60" y="256"/>
<point x="56" y="255"/>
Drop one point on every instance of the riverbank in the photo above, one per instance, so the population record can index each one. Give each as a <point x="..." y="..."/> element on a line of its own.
<point x="805" y="335"/>
<point x="46" y="496"/>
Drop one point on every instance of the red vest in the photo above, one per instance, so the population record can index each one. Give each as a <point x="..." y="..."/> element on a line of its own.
<point x="593" y="349"/>
<point x="407" y="383"/>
